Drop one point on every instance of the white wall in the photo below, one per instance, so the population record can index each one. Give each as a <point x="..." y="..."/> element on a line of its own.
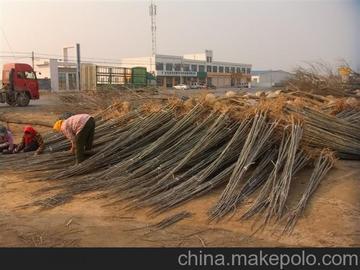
<point x="271" y="78"/>
<point x="195" y="59"/>
<point x="148" y="62"/>
<point x="43" y="68"/>
<point x="54" y="75"/>
<point x="196" y="56"/>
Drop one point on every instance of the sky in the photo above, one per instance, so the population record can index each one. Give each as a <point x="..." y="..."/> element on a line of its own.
<point x="269" y="34"/>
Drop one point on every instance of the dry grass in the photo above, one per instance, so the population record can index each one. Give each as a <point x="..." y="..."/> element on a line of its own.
<point x="50" y="238"/>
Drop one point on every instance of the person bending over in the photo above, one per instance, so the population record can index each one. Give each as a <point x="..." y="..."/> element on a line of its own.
<point x="80" y="130"/>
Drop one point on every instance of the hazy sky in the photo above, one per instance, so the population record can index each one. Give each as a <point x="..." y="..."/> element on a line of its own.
<point x="268" y="34"/>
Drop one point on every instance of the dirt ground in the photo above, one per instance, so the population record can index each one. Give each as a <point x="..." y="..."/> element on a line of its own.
<point x="331" y="218"/>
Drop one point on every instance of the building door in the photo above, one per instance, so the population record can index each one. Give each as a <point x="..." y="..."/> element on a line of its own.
<point x="71" y="77"/>
<point x="67" y="81"/>
<point x="169" y="82"/>
<point x="176" y="80"/>
<point x="62" y="81"/>
<point x="160" y="81"/>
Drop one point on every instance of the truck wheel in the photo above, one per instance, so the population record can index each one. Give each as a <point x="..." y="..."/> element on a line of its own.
<point x="23" y="99"/>
<point x="11" y="100"/>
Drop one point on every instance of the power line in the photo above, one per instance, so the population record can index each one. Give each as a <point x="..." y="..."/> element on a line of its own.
<point x="73" y="60"/>
<point x="7" y="41"/>
<point x="13" y="56"/>
<point x="58" y="56"/>
<point x="15" y="52"/>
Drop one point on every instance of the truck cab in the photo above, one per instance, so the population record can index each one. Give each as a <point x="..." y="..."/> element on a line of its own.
<point x="19" y="84"/>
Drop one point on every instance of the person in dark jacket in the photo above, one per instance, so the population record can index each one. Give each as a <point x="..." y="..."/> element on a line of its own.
<point x="31" y="141"/>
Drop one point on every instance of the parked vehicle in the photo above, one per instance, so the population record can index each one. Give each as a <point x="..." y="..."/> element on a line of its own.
<point x="181" y="87"/>
<point x="208" y="86"/>
<point x="19" y="84"/>
<point x="195" y="86"/>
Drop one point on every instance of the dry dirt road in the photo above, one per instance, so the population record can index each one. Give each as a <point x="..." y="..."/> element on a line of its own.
<point x="332" y="217"/>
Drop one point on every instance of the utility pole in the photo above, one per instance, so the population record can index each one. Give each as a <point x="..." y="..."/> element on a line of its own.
<point x="78" y="66"/>
<point x="32" y="59"/>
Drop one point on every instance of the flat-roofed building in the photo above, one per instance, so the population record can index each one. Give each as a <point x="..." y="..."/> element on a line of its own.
<point x="200" y="68"/>
<point x="269" y="78"/>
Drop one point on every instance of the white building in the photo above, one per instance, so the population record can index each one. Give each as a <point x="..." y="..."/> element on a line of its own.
<point x="269" y="78"/>
<point x="58" y="74"/>
<point x="169" y="70"/>
<point x="190" y="68"/>
<point x="62" y="74"/>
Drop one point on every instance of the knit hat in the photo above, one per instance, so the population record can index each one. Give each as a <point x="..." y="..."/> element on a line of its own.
<point x="29" y="130"/>
<point x="57" y="125"/>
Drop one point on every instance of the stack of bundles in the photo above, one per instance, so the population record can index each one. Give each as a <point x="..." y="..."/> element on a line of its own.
<point x="322" y="130"/>
<point x="347" y="109"/>
<point x="323" y="164"/>
<point x="320" y="79"/>
<point x="166" y="155"/>
<point x="350" y="115"/>
<point x="91" y="101"/>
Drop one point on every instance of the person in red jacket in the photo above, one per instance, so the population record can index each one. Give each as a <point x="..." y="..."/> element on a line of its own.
<point x="31" y="141"/>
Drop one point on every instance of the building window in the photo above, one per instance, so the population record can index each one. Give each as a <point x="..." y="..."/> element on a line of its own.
<point x="159" y="66"/>
<point x="227" y="69"/>
<point x="208" y="59"/>
<point x="233" y="69"/>
<point x="72" y="81"/>
<point x="238" y="70"/>
<point x="169" y="67"/>
<point x="221" y="69"/>
<point x="201" y="68"/>
<point x="208" y="68"/>
<point x="177" y="67"/>
<point x="243" y="70"/>
<point x="214" y="69"/>
<point x="248" y="70"/>
<point x="62" y="80"/>
<point x="186" y="67"/>
<point x="193" y="67"/>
